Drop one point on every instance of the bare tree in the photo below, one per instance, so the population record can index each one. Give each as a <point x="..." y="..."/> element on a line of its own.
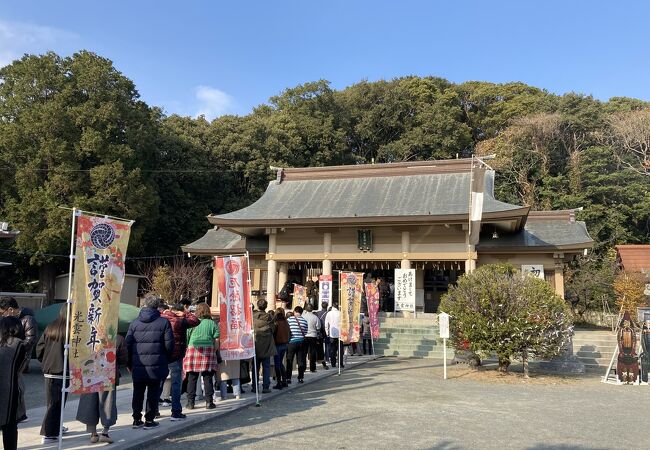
<point x="180" y="278"/>
<point x="629" y="134"/>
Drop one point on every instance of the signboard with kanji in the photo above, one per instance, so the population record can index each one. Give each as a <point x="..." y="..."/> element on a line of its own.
<point x="405" y="290"/>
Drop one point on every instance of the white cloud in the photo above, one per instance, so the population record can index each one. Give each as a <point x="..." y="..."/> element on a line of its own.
<point x="18" y="38"/>
<point x="213" y="102"/>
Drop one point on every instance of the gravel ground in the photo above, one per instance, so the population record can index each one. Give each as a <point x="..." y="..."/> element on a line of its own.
<point x="392" y="403"/>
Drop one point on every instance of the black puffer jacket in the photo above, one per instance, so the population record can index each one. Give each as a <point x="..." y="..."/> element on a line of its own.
<point x="150" y="344"/>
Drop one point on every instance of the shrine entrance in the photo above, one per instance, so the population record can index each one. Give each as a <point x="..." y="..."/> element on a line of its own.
<point x="436" y="284"/>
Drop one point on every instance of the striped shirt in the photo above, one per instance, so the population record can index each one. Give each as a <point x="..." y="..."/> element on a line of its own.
<point x="295" y="325"/>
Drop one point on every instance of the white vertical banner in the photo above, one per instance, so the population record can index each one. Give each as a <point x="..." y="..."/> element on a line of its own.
<point x="324" y="290"/>
<point x="405" y="290"/>
<point x="443" y="324"/>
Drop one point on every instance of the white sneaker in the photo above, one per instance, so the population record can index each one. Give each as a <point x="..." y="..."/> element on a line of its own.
<point x="65" y="429"/>
<point x="237" y="397"/>
<point x="49" y="439"/>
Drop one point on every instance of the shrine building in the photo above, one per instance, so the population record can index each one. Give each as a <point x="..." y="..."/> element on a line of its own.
<point x="373" y="218"/>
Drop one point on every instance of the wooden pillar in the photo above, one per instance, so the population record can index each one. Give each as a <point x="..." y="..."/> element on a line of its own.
<point x="470" y="262"/>
<point x="406" y="250"/>
<point x="283" y="274"/>
<point x="214" y="299"/>
<point x="559" y="277"/>
<point x="327" y="250"/>
<point x="272" y="274"/>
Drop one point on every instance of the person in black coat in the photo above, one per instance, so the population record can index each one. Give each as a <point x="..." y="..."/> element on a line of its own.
<point x="50" y="352"/>
<point x="150" y="344"/>
<point x="9" y="307"/>
<point x="12" y="354"/>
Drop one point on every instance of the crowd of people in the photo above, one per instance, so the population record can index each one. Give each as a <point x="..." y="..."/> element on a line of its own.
<point x="168" y="350"/>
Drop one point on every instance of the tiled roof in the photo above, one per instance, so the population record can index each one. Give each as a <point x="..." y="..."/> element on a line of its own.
<point x="634" y="258"/>
<point x="540" y="234"/>
<point x="440" y="188"/>
<point x="220" y="241"/>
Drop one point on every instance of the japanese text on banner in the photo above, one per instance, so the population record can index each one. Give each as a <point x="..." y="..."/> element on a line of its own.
<point x="350" y="288"/>
<point x="98" y="277"/>
<point x="235" y="316"/>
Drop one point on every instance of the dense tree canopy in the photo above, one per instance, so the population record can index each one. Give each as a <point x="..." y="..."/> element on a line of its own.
<point x="73" y="131"/>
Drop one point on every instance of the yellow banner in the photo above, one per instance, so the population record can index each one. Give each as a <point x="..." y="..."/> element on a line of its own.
<point x="98" y="278"/>
<point x="350" y="288"/>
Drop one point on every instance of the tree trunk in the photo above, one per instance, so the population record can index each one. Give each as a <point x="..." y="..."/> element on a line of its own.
<point x="46" y="281"/>
<point x="503" y="364"/>
<point x="524" y="358"/>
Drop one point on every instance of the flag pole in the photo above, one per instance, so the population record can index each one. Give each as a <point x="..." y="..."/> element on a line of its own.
<point x="255" y="371"/>
<point x="66" y="346"/>
<point x="339" y="350"/>
<point x="469" y="216"/>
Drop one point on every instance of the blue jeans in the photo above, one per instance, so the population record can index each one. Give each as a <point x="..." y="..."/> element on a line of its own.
<point x="223" y="388"/>
<point x="175" y="370"/>
<point x="266" y="374"/>
<point x="278" y="362"/>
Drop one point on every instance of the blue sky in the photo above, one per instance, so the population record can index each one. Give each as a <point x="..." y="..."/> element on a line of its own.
<point x="215" y="57"/>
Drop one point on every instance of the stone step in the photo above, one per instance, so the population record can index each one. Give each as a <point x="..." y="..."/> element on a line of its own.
<point x="396" y="346"/>
<point x="594" y="344"/>
<point x="596" y="361"/>
<point x="415" y="354"/>
<point x="578" y="332"/>
<point x="595" y="354"/>
<point x="410" y="340"/>
<point x="409" y="331"/>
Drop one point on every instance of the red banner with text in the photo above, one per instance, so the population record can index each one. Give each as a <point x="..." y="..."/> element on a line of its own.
<point x="235" y="315"/>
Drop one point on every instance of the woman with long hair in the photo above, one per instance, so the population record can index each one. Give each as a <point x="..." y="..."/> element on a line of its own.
<point x="201" y="356"/>
<point x="12" y="355"/>
<point x="281" y="336"/>
<point x="49" y="352"/>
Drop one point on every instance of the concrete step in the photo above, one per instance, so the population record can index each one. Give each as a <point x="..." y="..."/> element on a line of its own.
<point x="595" y="354"/>
<point x="579" y="332"/>
<point x="594" y="344"/>
<point x="596" y="361"/>
<point x="409" y="337"/>
<point x="395" y="346"/>
<point x="410" y="340"/>
<point x="409" y="331"/>
<point x="415" y="354"/>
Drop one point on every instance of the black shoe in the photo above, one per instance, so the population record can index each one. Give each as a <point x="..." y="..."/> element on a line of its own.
<point x="150" y="425"/>
<point x="288" y="381"/>
<point x="278" y="386"/>
<point x="158" y="415"/>
<point x="285" y="384"/>
<point x="325" y="365"/>
<point x="300" y="380"/>
<point x="312" y="371"/>
<point x="178" y="416"/>
<point x="266" y="391"/>
<point x="138" y="423"/>
<point x="21" y="419"/>
<point x="210" y="405"/>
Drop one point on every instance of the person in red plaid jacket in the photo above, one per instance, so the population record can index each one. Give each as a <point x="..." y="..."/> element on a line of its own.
<point x="201" y="356"/>
<point x="181" y="320"/>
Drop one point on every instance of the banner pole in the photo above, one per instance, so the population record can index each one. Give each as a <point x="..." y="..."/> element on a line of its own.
<point x="444" y="356"/>
<point x="339" y="350"/>
<point x="66" y="346"/>
<point x="255" y="370"/>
